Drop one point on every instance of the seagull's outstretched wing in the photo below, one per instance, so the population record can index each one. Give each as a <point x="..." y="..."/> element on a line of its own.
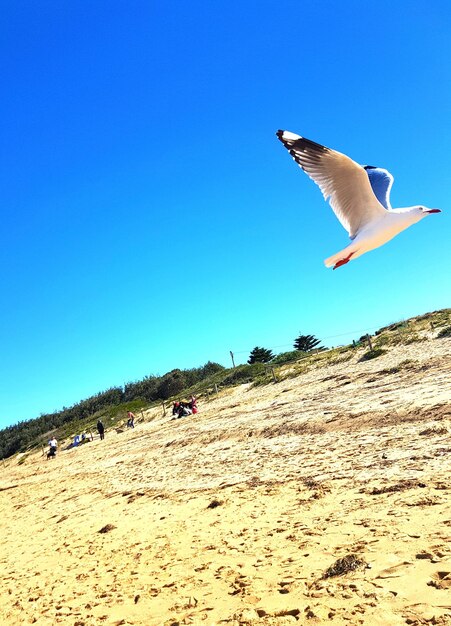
<point x="340" y="178"/>
<point x="381" y="182"/>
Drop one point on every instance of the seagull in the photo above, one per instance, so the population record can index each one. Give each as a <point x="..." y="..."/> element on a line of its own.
<point x="359" y="196"/>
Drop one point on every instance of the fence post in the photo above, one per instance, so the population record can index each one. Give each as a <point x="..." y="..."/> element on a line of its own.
<point x="273" y="374"/>
<point x="164" y="410"/>
<point x="216" y="389"/>
<point x="369" y="342"/>
<point x="233" y="360"/>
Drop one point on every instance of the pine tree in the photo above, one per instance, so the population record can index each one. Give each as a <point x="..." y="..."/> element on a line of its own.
<point x="306" y="343"/>
<point x="260" y="355"/>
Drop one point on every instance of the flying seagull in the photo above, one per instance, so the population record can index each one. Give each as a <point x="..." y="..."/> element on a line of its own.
<point x="359" y="196"/>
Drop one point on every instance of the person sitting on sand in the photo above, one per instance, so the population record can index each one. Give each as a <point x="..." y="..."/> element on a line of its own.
<point x="175" y="408"/>
<point x="184" y="409"/>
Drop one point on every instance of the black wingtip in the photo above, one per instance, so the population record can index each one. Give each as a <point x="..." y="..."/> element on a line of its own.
<point x="301" y="143"/>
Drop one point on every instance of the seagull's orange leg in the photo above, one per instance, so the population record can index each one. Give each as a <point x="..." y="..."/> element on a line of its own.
<point x="343" y="261"/>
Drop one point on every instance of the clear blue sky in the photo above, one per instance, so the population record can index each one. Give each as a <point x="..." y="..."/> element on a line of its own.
<point x="150" y="217"/>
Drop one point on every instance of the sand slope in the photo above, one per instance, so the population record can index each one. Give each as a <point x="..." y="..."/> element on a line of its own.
<point x="234" y="515"/>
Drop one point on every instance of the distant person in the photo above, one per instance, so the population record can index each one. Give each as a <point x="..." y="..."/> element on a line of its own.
<point x="193" y="405"/>
<point x="53" y="447"/>
<point x="131" y="420"/>
<point x="184" y="410"/>
<point x="101" y="429"/>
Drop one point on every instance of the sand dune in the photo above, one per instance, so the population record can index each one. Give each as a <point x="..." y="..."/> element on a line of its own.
<point x="233" y="516"/>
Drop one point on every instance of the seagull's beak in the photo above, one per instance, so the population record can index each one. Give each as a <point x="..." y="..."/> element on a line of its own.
<point x="433" y="211"/>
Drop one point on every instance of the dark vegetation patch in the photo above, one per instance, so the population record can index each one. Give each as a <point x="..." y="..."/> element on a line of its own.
<point x="243" y="374"/>
<point x="349" y="563"/>
<point x="445" y="332"/>
<point x="311" y="483"/>
<point x="427" y="501"/>
<point x="408" y="364"/>
<point x="414" y="339"/>
<point x="288" y="357"/>
<point x="214" y="504"/>
<point x="434" y="430"/>
<point x="319" y="489"/>
<point x="255" y="481"/>
<point x="403" y="485"/>
<point x="372" y="354"/>
<point x="134" y="496"/>
<point x="442" y="451"/>
<point x="107" y="528"/>
<point x="367" y="419"/>
<point x="392" y="327"/>
<point x="292" y="428"/>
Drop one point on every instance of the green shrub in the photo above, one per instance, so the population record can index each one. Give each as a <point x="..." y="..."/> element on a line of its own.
<point x="413" y="339"/>
<point x="337" y="359"/>
<point x="391" y="327"/>
<point x="243" y="374"/>
<point x="407" y="364"/>
<point x="288" y="357"/>
<point x="372" y="354"/>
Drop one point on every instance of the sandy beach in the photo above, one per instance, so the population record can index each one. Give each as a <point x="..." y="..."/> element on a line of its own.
<point x="235" y="515"/>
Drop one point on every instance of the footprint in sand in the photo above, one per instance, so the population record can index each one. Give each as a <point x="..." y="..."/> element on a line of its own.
<point x="441" y="580"/>
<point x="395" y="571"/>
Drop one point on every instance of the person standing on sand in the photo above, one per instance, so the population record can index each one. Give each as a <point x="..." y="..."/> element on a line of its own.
<point x="101" y="429"/>
<point x="53" y="446"/>
<point x="131" y="420"/>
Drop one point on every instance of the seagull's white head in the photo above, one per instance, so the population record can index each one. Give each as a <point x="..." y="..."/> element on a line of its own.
<point x="416" y="213"/>
<point x="426" y="210"/>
